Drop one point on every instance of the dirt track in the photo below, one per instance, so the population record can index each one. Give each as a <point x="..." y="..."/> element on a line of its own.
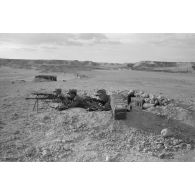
<point x="77" y="135"/>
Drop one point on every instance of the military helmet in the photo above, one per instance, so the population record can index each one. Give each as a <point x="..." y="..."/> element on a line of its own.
<point x="58" y="91"/>
<point x="131" y="92"/>
<point x="72" y="91"/>
<point x="101" y="92"/>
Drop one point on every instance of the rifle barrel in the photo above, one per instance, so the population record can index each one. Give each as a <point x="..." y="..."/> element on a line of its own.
<point x="35" y="93"/>
<point x="39" y="98"/>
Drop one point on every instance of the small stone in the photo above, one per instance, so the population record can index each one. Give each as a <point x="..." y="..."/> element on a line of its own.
<point x="145" y="95"/>
<point x="112" y="158"/>
<point x="166" y="133"/>
<point x="159" y="97"/>
<point x="44" y="153"/>
<point x="152" y="101"/>
<point x="160" y="146"/>
<point x="161" y="156"/>
<point x="147" y="105"/>
<point x="165" y="155"/>
<point x="147" y="100"/>
<point x="183" y="145"/>
<point x="45" y="118"/>
<point x="17" y="132"/>
<point x="188" y="146"/>
<point x="140" y="148"/>
<point x="151" y="96"/>
<point x="107" y="158"/>
<point x="177" y="142"/>
<point x="146" y="150"/>
<point x="14" y="116"/>
<point x="141" y="92"/>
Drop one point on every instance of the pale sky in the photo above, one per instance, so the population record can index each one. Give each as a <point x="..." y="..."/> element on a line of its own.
<point x="99" y="47"/>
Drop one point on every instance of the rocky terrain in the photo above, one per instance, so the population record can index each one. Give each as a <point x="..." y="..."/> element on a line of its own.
<point x="78" y="135"/>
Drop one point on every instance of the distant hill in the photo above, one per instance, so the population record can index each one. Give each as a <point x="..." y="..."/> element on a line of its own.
<point x="165" y="66"/>
<point x="75" y="65"/>
<point x="58" y="65"/>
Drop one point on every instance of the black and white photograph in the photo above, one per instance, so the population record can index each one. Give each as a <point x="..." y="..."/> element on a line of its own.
<point x="97" y="97"/>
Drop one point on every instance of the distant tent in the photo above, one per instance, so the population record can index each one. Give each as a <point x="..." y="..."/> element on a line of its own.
<point x="46" y="77"/>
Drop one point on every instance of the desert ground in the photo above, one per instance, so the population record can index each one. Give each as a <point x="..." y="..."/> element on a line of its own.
<point x="78" y="135"/>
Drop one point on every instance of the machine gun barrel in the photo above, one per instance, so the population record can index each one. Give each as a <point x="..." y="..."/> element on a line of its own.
<point x="38" y="98"/>
<point x="47" y="96"/>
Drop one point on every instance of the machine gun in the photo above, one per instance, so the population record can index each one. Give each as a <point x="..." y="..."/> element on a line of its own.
<point x="53" y="97"/>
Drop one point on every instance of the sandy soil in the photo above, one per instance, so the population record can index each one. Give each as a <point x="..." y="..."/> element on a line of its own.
<point x="77" y="135"/>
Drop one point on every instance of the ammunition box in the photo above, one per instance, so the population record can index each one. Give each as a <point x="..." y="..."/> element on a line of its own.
<point x="119" y="107"/>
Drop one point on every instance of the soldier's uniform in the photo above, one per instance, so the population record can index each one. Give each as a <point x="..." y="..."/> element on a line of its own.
<point x="78" y="102"/>
<point x="73" y="100"/>
<point x="91" y="104"/>
<point x="104" y="100"/>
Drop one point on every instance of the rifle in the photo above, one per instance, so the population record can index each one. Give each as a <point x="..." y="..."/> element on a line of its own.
<point x="46" y="96"/>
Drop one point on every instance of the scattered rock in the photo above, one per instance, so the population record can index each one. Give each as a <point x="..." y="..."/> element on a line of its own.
<point x="112" y="158"/>
<point x="152" y="101"/>
<point x="188" y="146"/>
<point x="177" y="142"/>
<point x="151" y="96"/>
<point x="145" y="95"/>
<point x="140" y="148"/>
<point x="166" y="133"/>
<point x="165" y="155"/>
<point x="147" y="105"/>
<point x="45" y="118"/>
<point x="183" y="145"/>
<point x="15" y="116"/>
<point x="44" y="153"/>
<point x="17" y="132"/>
<point x="147" y="100"/>
<point x="107" y="158"/>
<point x="146" y="150"/>
<point x="30" y="152"/>
<point x="160" y="146"/>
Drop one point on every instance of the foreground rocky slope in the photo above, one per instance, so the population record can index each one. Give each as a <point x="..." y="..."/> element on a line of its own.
<point x="78" y="135"/>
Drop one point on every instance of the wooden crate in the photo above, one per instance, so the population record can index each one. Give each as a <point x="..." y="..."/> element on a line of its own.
<point x="119" y="107"/>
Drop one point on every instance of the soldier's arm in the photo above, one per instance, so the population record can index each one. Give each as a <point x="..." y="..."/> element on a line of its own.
<point x="107" y="106"/>
<point x="74" y="103"/>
